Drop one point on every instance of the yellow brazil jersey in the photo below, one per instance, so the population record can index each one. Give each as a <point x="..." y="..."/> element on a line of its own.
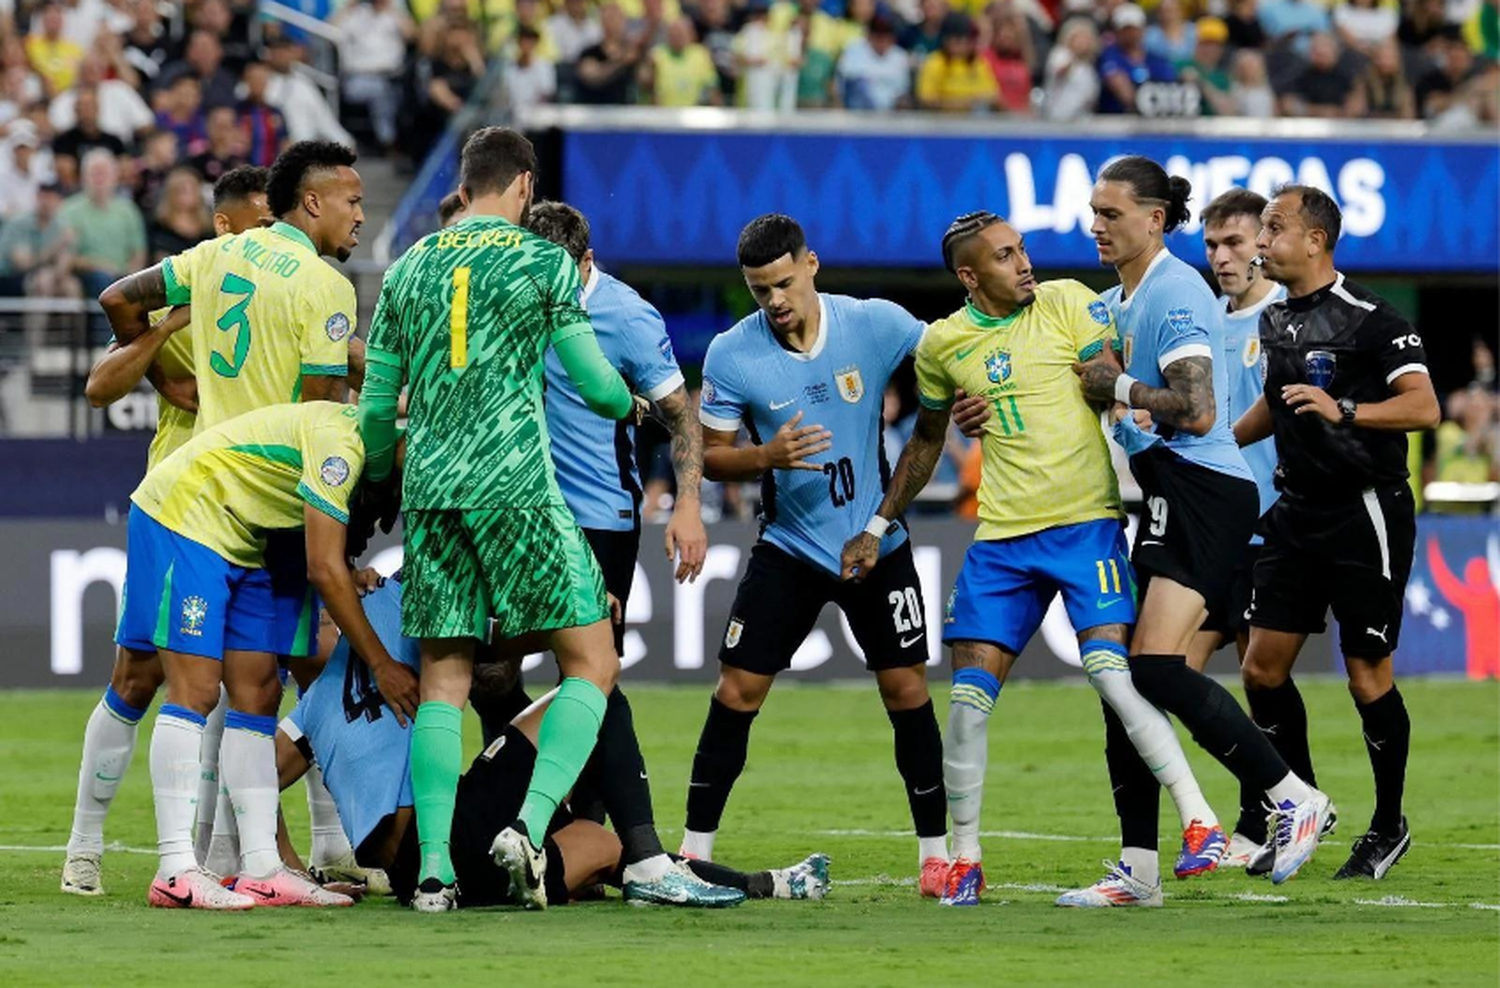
<point x="173" y="425"/>
<point x="235" y="482"/>
<point x="269" y="311"/>
<point x="1046" y="462"/>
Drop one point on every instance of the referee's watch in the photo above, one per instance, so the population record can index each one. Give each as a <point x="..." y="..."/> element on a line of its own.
<point x="1347" y="407"/>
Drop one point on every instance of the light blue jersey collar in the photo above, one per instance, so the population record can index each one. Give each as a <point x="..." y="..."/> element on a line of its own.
<point x="818" y="344"/>
<point x="1161" y="256"/>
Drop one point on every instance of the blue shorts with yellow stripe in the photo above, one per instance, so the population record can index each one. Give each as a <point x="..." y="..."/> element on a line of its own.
<point x="182" y="596"/>
<point x="1006" y="585"/>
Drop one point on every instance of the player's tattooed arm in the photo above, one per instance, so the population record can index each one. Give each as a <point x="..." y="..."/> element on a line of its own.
<point x="1187" y="402"/>
<point x="918" y="461"/>
<point x="129" y="302"/>
<point x="686" y="538"/>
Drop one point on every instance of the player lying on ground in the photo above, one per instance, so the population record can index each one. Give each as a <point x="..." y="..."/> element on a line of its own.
<point x="1050" y="518"/>
<point x="342" y="723"/>
<point x="196" y="589"/>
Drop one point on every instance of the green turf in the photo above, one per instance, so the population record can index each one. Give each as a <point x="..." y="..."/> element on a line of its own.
<point x="820" y="762"/>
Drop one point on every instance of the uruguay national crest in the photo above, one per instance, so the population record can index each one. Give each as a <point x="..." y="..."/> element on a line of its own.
<point x="997" y="367"/>
<point x="732" y="636"/>
<point x="1127" y="350"/>
<point x="851" y="385"/>
<point x="194" y="613"/>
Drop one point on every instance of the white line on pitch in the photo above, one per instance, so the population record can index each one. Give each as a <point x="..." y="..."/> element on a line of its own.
<point x="1073" y="838"/>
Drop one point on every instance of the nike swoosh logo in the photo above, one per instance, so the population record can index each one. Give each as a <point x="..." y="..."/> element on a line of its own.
<point x="1102" y="604"/>
<point x="924" y="792"/>
<point x="106" y="778"/>
<point x="909" y="642"/>
<point x="699" y="785"/>
<point x="776" y="407"/>
<point x="181" y="900"/>
<point x="269" y="895"/>
<point x="643" y="777"/>
<point x="1151" y="542"/>
<point x="963" y="354"/>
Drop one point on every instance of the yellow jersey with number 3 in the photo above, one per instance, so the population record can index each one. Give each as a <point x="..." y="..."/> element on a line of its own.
<point x="1046" y="461"/>
<point x="266" y="310"/>
<point x="173" y="425"/>
<point x="230" y="485"/>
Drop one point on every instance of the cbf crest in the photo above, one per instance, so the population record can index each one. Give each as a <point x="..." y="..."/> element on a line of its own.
<point x="194" y="613"/>
<point x="851" y="385"/>
<point x="997" y="367"/>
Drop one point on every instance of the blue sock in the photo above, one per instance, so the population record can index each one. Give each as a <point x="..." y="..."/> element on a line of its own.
<point x="116" y="705"/>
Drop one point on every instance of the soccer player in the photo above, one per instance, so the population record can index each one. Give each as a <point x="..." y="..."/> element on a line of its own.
<point x="1050" y="520"/>
<point x="164" y="356"/>
<point x="805" y="375"/>
<point x="1230" y="225"/>
<point x="1201" y="507"/>
<point x="464" y="319"/>
<point x="1346" y="380"/>
<point x="196" y="589"/>
<point x="450" y="209"/>
<point x="341" y="722"/>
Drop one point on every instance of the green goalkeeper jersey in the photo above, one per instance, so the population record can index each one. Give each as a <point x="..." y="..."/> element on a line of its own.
<point x="470" y="312"/>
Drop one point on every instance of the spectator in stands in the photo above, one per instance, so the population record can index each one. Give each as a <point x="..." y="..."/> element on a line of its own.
<point x="530" y="79"/>
<point x="263" y="125"/>
<point x="69" y="147"/>
<point x="20" y="86"/>
<point x="1012" y="58"/>
<point x="681" y="72"/>
<point x="158" y="158"/>
<point x="372" y="59"/>
<point x="1206" y="69"/>
<point x="1294" y="20"/>
<point x="1364" y="25"/>
<point x="717" y="25"/>
<point x="36" y="251"/>
<point x="954" y="78"/>
<point x="181" y="218"/>
<point x="1439" y="89"/>
<point x="527" y="13"/>
<point x="1384" y="91"/>
<point x="1126" y="65"/>
<point x="22" y="170"/>
<point x="146" y="47"/>
<point x="767" y="62"/>
<point x="1250" y="87"/>
<point x="433" y="34"/>
<point x="648" y="26"/>
<point x="1425" y="22"/>
<point x="607" y="71"/>
<point x="823" y="40"/>
<point x="1243" y="21"/>
<point x="204" y="60"/>
<point x="121" y="111"/>
<point x="1324" y="88"/>
<point x="1173" y="37"/>
<point x="308" y="115"/>
<point x="1468" y="448"/>
<point x="1070" y="86"/>
<point x="574" y="28"/>
<point x="874" y="73"/>
<point x="226" y="145"/>
<point x="855" y="23"/>
<point x="1482" y="29"/>
<point x="54" y="57"/>
<point x="446" y="81"/>
<point x="926" y="35"/>
<point x="230" y="27"/>
<point x="109" y="234"/>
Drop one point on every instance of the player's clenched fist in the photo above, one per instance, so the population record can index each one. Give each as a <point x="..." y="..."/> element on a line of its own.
<point x="794" y="443"/>
<point x="860" y="555"/>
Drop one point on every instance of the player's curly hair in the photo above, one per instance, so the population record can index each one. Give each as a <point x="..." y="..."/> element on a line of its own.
<point x="450" y="206"/>
<point x="290" y="171"/>
<point x="561" y="224"/>
<point x="964" y="229"/>
<point x="768" y="237"/>
<point x="237" y="185"/>
<point x="1149" y="181"/>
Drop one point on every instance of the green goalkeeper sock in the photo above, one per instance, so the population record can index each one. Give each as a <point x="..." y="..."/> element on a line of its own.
<point x="437" y="749"/>
<point x="564" y="743"/>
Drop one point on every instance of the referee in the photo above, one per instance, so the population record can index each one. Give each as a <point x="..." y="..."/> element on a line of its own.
<point x="1346" y="380"/>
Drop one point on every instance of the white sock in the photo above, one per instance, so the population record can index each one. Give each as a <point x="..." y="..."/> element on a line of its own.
<point x="329" y="842"/>
<point x="698" y="845"/>
<point x="175" y="744"/>
<point x="208" y="784"/>
<point x="247" y="761"/>
<point x="931" y="847"/>
<point x="648" y="870"/>
<point x="1142" y="864"/>
<point x="223" y="857"/>
<point x="1149" y="731"/>
<point x="108" y="743"/>
<point x="1291" y="788"/>
<point x="966" y="755"/>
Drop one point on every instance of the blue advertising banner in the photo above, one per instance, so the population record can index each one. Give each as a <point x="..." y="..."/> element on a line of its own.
<point x="1452" y="619"/>
<point x="681" y="197"/>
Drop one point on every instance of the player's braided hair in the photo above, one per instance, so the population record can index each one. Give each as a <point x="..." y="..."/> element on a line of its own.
<point x="290" y="170"/>
<point x="961" y="230"/>
<point x="238" y="185"/>
<point x="1149" y="181"/>
<point x="1318" y="212"/>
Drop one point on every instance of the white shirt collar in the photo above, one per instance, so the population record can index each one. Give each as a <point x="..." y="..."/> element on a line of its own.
<point x="822" y="339"/>
<point x="1161" y="256"/>
<point x="590" y="285"/>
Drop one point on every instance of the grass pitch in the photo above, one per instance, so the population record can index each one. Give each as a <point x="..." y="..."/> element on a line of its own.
<point x="821" y="777"/>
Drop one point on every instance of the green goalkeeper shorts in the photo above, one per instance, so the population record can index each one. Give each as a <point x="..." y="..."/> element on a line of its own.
<point x="528" y="568"/>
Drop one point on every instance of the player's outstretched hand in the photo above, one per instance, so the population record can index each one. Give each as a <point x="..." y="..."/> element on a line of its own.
<point x="860" y="555"/>
<point x="1099" y="374"/>
<point x="367" y="579"/>
<point x="794" y="443"/>
<point x="1308" y="400"/>
<point x="687" y="541"/>
<point x="970" y="413"/>
<point x="398" y="685"/>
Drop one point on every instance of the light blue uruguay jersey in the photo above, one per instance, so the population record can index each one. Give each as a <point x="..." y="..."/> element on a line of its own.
<point x="595" y="457"/>
<point x="363" y="752"/>
<point x="750" y="377"/>
<point x="1245" y="364"/>
<point x="1173" y="315"/>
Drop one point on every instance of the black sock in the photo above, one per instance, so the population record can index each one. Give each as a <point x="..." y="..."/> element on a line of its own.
<point x="1388" y="741"/>
<point x="919" y="759"/>
<point x="1216" y="721"/>
<point x="717" y="764"/>
<point x="1281" y="717"/>
<point x="496" y="712"/>
<point x="1136" y="791"/>
<point x="620" y="775"/>
<point x="755" y="885"/>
